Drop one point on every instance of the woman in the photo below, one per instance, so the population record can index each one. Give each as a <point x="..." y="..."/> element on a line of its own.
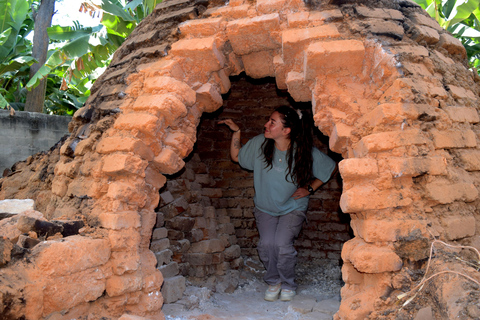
<point x="287" y="169"/>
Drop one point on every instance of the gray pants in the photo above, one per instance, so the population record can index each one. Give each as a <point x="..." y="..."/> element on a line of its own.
<point x="276" y="246"/>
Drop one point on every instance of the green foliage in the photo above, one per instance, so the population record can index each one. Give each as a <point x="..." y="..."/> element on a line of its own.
<point x="462" y="19"/>
<point x="78" y="56"/>
<point x="15" y="50"/>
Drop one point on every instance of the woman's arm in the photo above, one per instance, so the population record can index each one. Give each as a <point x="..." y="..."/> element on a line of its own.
<point x="315" y="184"/>
<point x="235" y="143"/>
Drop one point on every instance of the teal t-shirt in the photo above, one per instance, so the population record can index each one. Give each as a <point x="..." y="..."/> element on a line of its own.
<point x="273" y="193"/>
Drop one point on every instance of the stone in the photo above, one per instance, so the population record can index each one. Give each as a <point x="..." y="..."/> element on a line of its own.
<point x="350" y="275"/>
<point x="425" y="20"/>
<point x="461" y="93"/>
<point x="303" y="304"/>
<point x="198" y="259"/>
<point x="70" y="227"/>
<point x="169" y="270"/>
<point x="201" y="28"/>
<point x="160" y="245"/>
<point x="120" y="220"/>
<point x="322" y="56"/>
<point x="159" y="233"/>
<point x="24" y="242"/>
<point x="463" y="114"/>
<point x="339" y="137"/>
<point x="470" y="159"/>
<point x="168" y="162"/>
<point x="118" y="285"/>
<point x="294" y="42"/>
<point x="59" y="258"/>
<point x="200" y="54"/>
<point x="358" y="168"/>
<point x="329" y="306"/>
<point x="400" y="167"/>
<point x="6" y="248"/>
<point x="297" y="87"/>
<point x="232" y="252"/>
<point x="229" y="282"/>
<point x="426" y="34"/>
<point x="143" y="122"/>
<point x="254" y="34"/>
<point x="444" y="191"/>
<point x="125" y="261"/>
<point x="319" y="17"/>
<point x="207" y="246"/>
<point x="181" y="143"/>
<point x="452" y="45"/>
<point x="424" y="314"/>
<point x="154" y="178"/>
<point x="378" y="142"/>
<point x="83" y="286"/>
<point x="123" y="164"/>
<point x="125" y="144"/>
<point x="163" y="257"/>
<point x="16" y="205"/>
<point x="168" y="85"/>
<point x="208" y="98"/>
<point x="173" y="289"/>
<point x="379" y="13"/>
<point x="259" y="64"/>
<point x="458" y="227"/>
<point x="165" y="106"/>
<point x="183" y="224"/>
<point x="370" y="258"/>
<point x="378" y="230"/>
<point x="362" y="198"/>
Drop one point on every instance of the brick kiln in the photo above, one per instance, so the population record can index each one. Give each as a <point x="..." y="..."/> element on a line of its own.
<point x="387" y="86"/>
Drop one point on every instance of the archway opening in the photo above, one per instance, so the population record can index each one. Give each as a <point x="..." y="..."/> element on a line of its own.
<point x="206" y="234"/>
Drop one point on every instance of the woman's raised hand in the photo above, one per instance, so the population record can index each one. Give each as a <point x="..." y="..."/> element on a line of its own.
<point x="232" y="125"/>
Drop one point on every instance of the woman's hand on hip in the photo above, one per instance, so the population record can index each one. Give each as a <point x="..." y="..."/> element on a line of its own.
<point x="300" y="193"/>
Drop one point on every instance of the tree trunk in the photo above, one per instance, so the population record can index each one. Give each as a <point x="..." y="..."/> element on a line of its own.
<point x="43" y="20"/>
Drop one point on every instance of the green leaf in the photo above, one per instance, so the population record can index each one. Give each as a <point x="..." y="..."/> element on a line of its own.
<point x="16" y="64"/>
<point x="115" y="8"/>
<point x="151" y="4"/>
<point x="4" y="36"/>
<point x="448" y="8"/>
<point x="37" y="77"/>
<point x="19" y="13"/>
<point x="133" y="4"/>
<point x="3" y="102"/>
<point x="70" y="33"/>
<point x="464" y="11"/>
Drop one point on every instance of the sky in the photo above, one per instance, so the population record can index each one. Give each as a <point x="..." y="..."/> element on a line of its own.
<point x="67" y="11"/>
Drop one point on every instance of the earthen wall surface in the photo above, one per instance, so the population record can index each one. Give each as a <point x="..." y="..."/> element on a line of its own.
<point x="388" y="87"/>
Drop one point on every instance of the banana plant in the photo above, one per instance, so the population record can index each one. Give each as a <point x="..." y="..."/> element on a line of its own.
<point x="462" y="19"/>
<point x="15" y="49"/>
<point x="84" y="50"/>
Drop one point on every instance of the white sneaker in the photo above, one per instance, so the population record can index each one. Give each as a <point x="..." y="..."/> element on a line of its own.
<point x="272" y="292"/>
<point x="287" y="294"/>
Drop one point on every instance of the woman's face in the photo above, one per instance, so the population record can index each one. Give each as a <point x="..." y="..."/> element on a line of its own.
<point x="274" y="128"/>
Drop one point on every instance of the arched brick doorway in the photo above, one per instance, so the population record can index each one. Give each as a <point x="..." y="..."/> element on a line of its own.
<point x="209" y="204"/>
<point x="387" y="86"/>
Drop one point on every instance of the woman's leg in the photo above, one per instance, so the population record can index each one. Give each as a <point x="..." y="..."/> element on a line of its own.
<point x="267" y="249"/>
<point x="287" y="230"/>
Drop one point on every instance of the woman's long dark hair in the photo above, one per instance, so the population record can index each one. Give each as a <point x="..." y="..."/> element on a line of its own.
<point x="299" y="153"/>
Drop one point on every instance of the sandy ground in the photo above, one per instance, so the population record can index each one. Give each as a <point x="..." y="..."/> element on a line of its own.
<point x="317" y="283"/>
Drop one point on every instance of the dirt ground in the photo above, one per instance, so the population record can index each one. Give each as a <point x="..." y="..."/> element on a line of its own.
<point x="318" y="282"/>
